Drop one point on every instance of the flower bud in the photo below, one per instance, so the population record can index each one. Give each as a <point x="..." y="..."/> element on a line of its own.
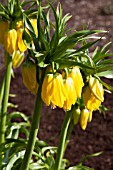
<point x="76" y="115"/>
<point x="84" y="118"/>
<point x="22" y="47"/>
<point x="3" y="27"/>
<point x="17" y="59"/>
<point x="10" y="41"/>
<point x="29" y="76"/>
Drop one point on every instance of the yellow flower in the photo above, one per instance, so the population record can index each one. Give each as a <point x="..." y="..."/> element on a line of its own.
<point x="34" y="24"/>
<point x="78" y="81"/>
<point x="22" y="47"/>
<point x="70" y="93"/>
<point x="10" y="41"/>
<point x="47" y="89"/>
<point x="29" y="76"/>
<point x="3" y="27"/>
<point x="96" y="88"/>
<point x="17" y="59"/>
<point x="84" y="116"/>
<point x="53" y="90"/>
<point x="90" y="101"/>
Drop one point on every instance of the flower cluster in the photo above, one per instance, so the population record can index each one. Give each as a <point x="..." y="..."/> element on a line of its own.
<point x="13" y="42"/>
<point x="62" y="92"/>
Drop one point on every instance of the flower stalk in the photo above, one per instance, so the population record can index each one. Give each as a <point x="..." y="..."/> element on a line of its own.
<point x="5" y="99"/>
<point x="34" y="128"/>
<point x="62" y="141"/>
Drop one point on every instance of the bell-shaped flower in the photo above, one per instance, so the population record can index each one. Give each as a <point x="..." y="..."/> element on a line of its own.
<point x="90" y="100"/>
<point x="22" y="47"/>
<point x="3" y="27"/>
<point x="47" y="89"/>
<point x="96" y="88"/>
<point x="29" y="76"/>
<point x="84" y="117"/>
<point x="53" y="90"/>
<point x="70" y="93"/>
<point x="78" y="80"/>
<point x="10" y="41"/>
<point x="17" y="59"/>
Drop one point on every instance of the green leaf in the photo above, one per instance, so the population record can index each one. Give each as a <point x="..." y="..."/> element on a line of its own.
<point x="106" y="74"/>
<point x="14" y="159"/>
<point x="110" y="88"/>
<point x="69" y="63"/>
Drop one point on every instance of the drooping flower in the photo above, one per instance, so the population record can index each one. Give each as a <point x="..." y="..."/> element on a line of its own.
<point x="96" y="88"/>
<point x="10" y="41"/>
<point x="70" y="93"/>
<point x="47" y="89"/>
<point x="84" y="117"/>
<point x="53" y="90"/>
<point x="22" y="47"/>
<point x="29" y="76"/>
<point x="17" y="59"/>
<point x="90" y="101"/>
<point x="78" y="80"/>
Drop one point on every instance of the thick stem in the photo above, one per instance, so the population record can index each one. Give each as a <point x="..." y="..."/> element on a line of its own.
<point x="34" y="130"/>
<point x="62" y="140"/>
<point x="2" y="90"/>
<point x="5" y="100"/>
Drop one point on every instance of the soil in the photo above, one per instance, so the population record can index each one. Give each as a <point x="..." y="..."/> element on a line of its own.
<point x="98" y="136"/>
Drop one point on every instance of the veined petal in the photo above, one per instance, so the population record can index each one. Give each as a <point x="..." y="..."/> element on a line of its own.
<point x="96" y="88"/>
<point x="10" y="41"/>
<point x="22" y="47"/>
<point x="78" y="81"/>
<point x="70" y="93"/>
<point x="47" y="89"/>
<point x="58" y="95"/>
<point x="90" y="101"/>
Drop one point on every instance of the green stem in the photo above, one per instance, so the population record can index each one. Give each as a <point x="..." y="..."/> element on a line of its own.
<point x="62" y="140"/>
<point x="34" y="129"/>
<point x="5" y="100"/>
<point x="69" y="133"/>
<point x="2" y="90"/>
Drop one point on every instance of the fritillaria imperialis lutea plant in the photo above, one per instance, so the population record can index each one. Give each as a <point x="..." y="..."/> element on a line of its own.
<point x="59" y="70"/>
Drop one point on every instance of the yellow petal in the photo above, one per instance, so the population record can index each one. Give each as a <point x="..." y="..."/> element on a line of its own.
<point x="17" y="59"/>
<point x="70" y="93"/>
<point x="90" y="101"/>
<point x="58" y="95"/>
<point x="96" y="88"/>
<point x="78" y="81"/>
<point x="22" y="47"/>
<point x="84" y="118"/>
<point x="47" y="89"/>
<point x="10" y="41"/>
<point x="29" y="76"/>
